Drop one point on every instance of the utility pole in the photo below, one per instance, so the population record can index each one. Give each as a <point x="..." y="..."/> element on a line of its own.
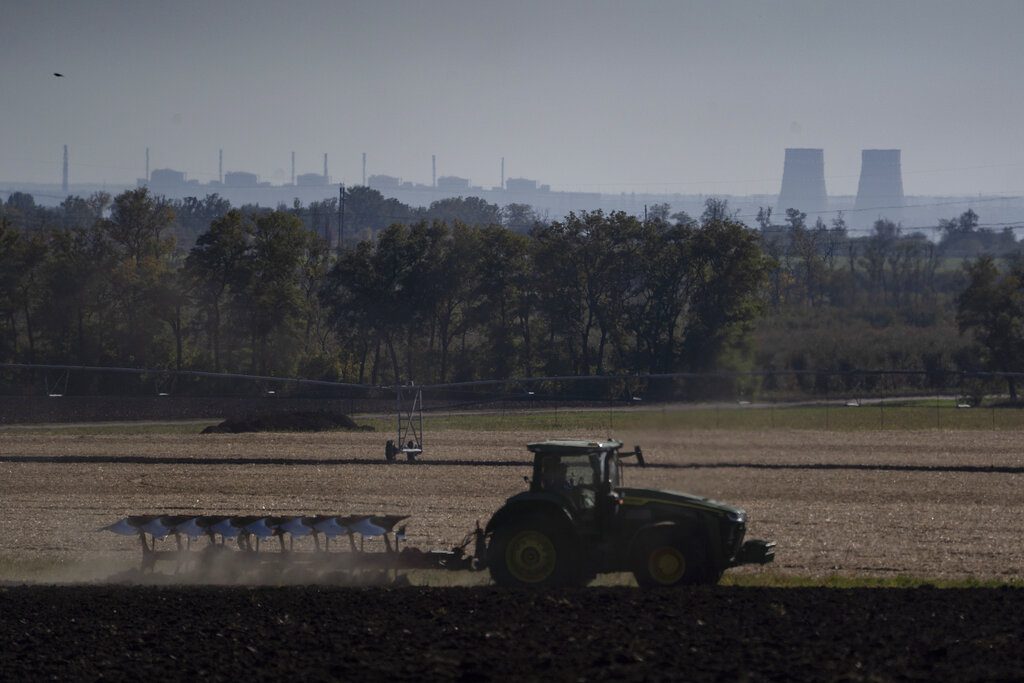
<point x="325" y="168"/>
<point x="341" y="217"/>
<point x="364" y="169"/>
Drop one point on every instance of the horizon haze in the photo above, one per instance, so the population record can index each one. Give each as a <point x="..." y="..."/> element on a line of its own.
<point x="595" y="96"/>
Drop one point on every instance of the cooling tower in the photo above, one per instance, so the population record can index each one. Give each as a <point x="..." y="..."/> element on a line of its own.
<point x="803" y="181"/>
<point x="881" y="180"/>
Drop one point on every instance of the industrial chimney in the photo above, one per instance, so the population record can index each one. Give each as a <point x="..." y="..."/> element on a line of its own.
<point x="64" y="181"/>
<point x="803" y="181"/>
<point x="881" y="181"/>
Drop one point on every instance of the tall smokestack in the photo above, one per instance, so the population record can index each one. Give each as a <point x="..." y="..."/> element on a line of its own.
<point x="326" y="180"/>
<point x="803" y="181"/>
<point x="881" y="181"/>
<point x="364" y="169"/>
<point x="147" y="165"/>
<point x="503" y="173"/>
<point x="64" y="181"/>
<point x="293" y="168"/>
<point x="433" y="170"/>
<point x="220" y="166"/>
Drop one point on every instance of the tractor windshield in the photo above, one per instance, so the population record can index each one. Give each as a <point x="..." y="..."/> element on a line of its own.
<point x="566" y="472"/>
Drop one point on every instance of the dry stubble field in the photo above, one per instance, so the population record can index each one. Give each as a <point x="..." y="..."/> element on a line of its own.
<point x="932" y="504"/>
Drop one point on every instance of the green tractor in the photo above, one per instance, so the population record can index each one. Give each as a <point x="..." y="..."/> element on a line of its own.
<point x="577" y="521"/>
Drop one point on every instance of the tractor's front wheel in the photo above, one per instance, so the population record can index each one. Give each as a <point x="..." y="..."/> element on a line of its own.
<point x="534" y="552"/>
<point x="666" y="558"/>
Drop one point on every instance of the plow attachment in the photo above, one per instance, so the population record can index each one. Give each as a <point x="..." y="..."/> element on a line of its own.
<point x="228" y="547"/>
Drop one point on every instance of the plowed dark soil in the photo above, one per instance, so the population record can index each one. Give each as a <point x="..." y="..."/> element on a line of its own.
<point x="109" y="632"/>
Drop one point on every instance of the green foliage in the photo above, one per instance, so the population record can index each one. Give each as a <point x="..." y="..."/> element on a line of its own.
<point x="464" y="290"/>
<point x="992" y="308"/>
<point x="887" y="300"/>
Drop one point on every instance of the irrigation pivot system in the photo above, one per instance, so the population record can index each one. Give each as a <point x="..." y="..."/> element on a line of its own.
<point x="409" y="424"/>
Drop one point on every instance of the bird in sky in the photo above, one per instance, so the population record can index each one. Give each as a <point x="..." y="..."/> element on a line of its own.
<point x="58" y="75"/>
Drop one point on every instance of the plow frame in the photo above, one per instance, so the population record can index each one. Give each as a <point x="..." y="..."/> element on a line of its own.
<point x="245" y="554"/>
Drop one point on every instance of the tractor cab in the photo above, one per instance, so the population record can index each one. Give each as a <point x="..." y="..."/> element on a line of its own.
<point x="564" y="465"/>
<point x="585" y="473"/>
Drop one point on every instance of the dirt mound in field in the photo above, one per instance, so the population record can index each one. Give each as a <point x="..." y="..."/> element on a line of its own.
<point x="288" y="422"/>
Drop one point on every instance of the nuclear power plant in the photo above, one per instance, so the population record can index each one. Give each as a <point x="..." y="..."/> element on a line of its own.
<point x="880" y="194"/>
<point x="881" y="180"/>
<point x="880" y="188"/>
<point x="803" y="181"/>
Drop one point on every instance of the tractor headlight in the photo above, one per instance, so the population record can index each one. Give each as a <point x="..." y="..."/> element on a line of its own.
<point x="737" y="516"/>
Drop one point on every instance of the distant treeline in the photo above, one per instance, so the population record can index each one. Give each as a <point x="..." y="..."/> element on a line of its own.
<point x="887" y="300"/>
<point x="464" y="289"/>
<point x="367" y="212"/>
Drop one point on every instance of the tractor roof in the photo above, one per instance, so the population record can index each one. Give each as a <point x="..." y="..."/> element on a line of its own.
<point x="566" y="446"/>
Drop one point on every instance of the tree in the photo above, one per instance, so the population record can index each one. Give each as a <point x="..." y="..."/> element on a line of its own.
<point x="964" y="224"/>
<point x="659" y="212"/>
<point x="728" y="270"/>
<point x="170" y="297"/>
<point x="456" y="283"/>
<point x="660" y="296"/>
<point x="469" y="210"/>
<point x="501" y="299"/>
<point x="138" y="225"/>
<point x="367" y="212"/>
<point x="876" y="253"/>
<point x="137" y="231"/>
<point x="271" y="299"/>
<point x="519" y="217"/>
<point x="216" y="264"/>
<point x="84" y="213"/>
<point x="194" y="216"/>
<point x="22" y="212"/>
<point x="79" y="314"/>
<point x="992" y="308"/>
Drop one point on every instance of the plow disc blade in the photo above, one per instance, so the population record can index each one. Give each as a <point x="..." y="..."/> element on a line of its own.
<point x="123" y="527"/>
<point x="296" y="527"/>
<point x="330" y="527"/>
<point x="190" y="528"/>
<point x="260" y="529"/>
<point x="226" y="528"/>
<point x="156" y="528"/>
<point x="368" y="529"/>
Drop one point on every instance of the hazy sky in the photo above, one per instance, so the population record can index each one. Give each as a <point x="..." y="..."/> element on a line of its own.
<point x="610" y="96"/>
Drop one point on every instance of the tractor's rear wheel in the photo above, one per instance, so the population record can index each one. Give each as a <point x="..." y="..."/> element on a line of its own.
<point x="533" y="552"/>
<point x="666" y="558"/>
